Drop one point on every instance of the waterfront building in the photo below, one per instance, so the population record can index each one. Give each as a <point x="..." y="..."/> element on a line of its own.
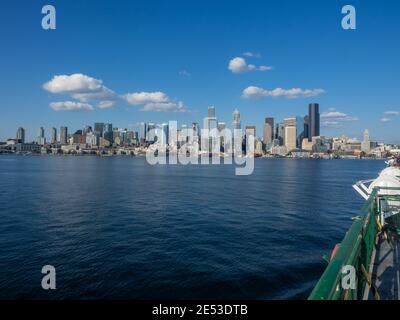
<point x="268" y="132"/>
<point x="313" y="120"/>
<point x="143" y="132"/>
<point x="92" y="139"/>
<point x="250" y="130"/>
<point x="11" y="142"/>
<point x="27" y="147"/>
<point x="366" y="144"/>
<point x="258" y="150"/>
<point x="280" y="133"/>
<point x="320" y="144"/>
<point x="108" y="132"/>
<point x="20" y="135"/>
<point x="290" y="133"/>
<point x="64" y="135"/>
<point x="279" y="151"/>
<point x="99" y="128"/>
<point x="53" y="135"/>
<point x="306" y="127"/>
<point x="118" y="141"/>
<point x="41" y="140"/>
<point x="222" y="133"/>
<point x="150" y="135"/>
<point x="117" y="133"/>
<point x="307" y="145"/>
<point x="78" y="137"/>
<point x="135" y="137"/>
<point x="87" y="129"/>
<point x="164" y="131"/>
<point x="210" y="122"/>
<point x="299" y="131"/>
<point x="236" y="120"/>
<point x="104" y="143"/>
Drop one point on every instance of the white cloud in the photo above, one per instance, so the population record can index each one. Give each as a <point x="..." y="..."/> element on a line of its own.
<point x="164" y="107"/>
<point x="106" y="104"/>
<point x="331" y="124"/>
<point x="386" y="120"/>
<point x="392" y="113"/>
<point x="337" y="116"/>
<point x="154" y="101"/>
<point x="104" y="95"/>
<point x="335" y="119"/>
<point x="82" y="88"/>
<point x="253" y="92"/>
<point x="251" y="54"/>
<point x="70" y="106"/>
<point x="239" y="65"/>
<point x="89" y="91"/>
<point x="139" y="98"/>
<point x="73" y="83"/>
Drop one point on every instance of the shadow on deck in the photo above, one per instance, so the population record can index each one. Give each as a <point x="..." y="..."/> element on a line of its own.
<point x="386" y="270"/>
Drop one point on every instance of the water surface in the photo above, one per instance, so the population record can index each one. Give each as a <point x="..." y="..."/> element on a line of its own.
<point x="117" y="227"/>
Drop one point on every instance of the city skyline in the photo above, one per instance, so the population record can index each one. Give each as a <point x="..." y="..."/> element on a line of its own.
<point x="173" y="67"/>
<point x="304" y="128"/>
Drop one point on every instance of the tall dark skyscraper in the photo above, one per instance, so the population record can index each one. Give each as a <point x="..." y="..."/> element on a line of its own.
<point x="306" y="126"/>
<point x="53" y="135"/>
<point x="313" y="120"/>
<point x="21" y="135"/>
<point x="63" y="135"/>
<point x="99" y="128"/>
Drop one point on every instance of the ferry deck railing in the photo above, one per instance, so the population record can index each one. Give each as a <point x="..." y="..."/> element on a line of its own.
<point x="355" y="250"/>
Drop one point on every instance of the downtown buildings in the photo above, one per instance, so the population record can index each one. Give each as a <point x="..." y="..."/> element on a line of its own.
<point x="294" y="136"/>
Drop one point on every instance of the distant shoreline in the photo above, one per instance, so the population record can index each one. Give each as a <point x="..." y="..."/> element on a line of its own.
<point x="143" y="155"/>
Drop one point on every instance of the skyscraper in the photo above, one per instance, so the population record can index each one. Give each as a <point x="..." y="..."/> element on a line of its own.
<point x="236" y="120"/>
<point x="299" y="131"/>
<point x="210" y="122"/>
<point x="40" y="138"/>
<point x="99" y="128"/>
<point x="53" y="135"/>
<point x="306" y="126"/>
<point x="290" y="133"/>
<point x="280" y="133"/>
<point x="87" y="129"/>
<point x="20" y="135"/>
<point x="313" y="120"/>
<point x="164" y="139"/>
<point x="64" y="135"/>
<point x="108" y="132"/>
<point x="365" y="144"/>
<point x="268" y="131"/>
<point x="211" y="112"/>
<point x="250" y="130"/>
<point x="143" y="132"/>
<point x="150" y="135"/>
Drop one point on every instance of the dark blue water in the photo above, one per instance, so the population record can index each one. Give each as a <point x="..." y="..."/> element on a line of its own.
<point x="119" y="228"/>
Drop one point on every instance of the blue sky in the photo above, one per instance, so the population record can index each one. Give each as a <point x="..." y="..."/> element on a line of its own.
<point x="174" y="55"/>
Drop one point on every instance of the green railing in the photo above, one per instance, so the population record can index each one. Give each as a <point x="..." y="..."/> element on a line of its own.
<point x="355" y="250"/>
